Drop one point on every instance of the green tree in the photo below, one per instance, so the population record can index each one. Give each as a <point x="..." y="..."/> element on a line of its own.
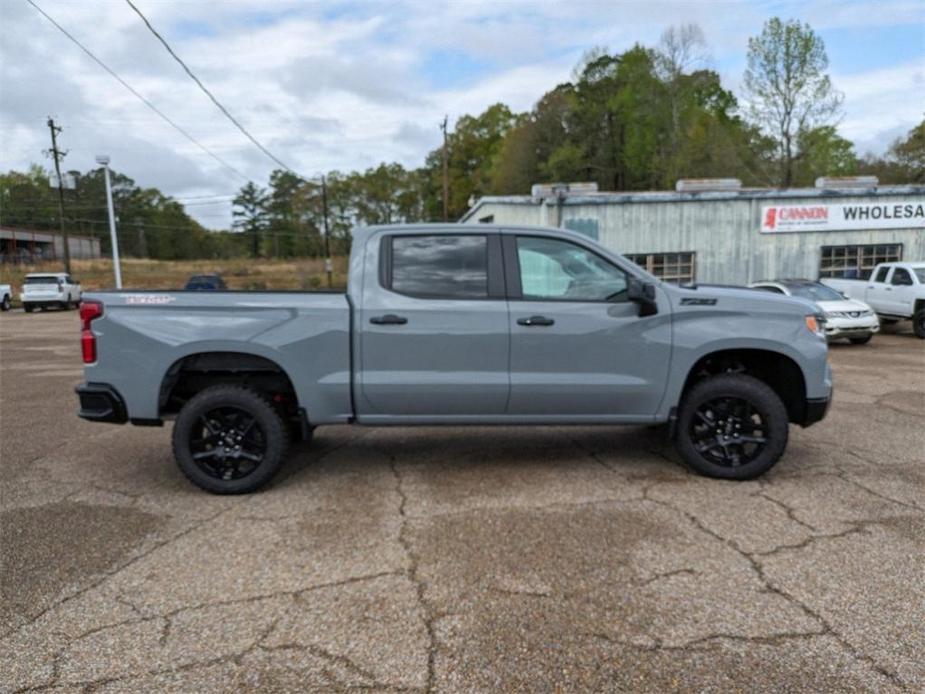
<point x="789" y="91"/>
<point x="474" y="149"/>
<point x="250" y="213"/>
<point x="826" y="154"/>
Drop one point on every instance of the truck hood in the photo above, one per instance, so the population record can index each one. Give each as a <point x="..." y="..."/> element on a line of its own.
<point x="848" y="305"/>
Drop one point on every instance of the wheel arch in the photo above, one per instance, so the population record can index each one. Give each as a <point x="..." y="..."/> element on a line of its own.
<point x="779" y="371"/>
<point x="196" y="371"/>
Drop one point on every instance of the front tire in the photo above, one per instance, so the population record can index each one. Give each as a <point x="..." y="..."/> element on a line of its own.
<point x="863" y="340"/>
<point x="918" y="323"/>
<point x="732" y="426"/>
<point x="28" y="308"/>
<point x="5" y="305"/>
<point x="229" y="440"/>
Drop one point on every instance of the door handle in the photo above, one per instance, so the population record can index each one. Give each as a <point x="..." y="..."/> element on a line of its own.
<point x="535" y="320"/>
<point x="889" y="289"/>
<point x="388" y="319"/>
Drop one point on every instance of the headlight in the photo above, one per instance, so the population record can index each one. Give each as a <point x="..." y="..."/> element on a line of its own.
<point x="816" y="325"/>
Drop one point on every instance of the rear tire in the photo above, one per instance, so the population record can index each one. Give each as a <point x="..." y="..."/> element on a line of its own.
<point x="5" y="305"/>
<point x="732" y="426"/>
<point x="229" y="440"/>
<point x="918" y="323"/>
<point x="861" y="340"/>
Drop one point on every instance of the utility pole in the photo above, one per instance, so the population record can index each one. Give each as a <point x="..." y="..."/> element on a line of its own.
<point x="58" y="156"/>
<point x="328" y="266"/>
<point x="446" y="176"/>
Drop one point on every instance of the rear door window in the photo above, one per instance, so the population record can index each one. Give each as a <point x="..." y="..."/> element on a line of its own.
<point x="901" y="276"/>
<point x="881" y="274"/>
<point x="440" y="266"/>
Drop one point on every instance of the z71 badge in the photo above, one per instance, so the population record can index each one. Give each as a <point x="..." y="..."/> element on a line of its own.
<point x="692" y="301"/>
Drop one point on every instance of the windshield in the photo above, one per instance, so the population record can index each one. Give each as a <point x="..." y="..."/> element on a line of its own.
<point x="47" y="279"/>
<point x="920" y="273"/>
<point x="815" y="292"/>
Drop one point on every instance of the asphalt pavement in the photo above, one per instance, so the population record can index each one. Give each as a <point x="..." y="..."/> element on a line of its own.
<point x="461" y="559"/>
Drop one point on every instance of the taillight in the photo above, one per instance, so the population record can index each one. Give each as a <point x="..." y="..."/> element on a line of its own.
<point x="89" y="311"/>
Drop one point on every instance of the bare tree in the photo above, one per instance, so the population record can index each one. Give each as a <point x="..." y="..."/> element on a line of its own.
<point x="679" y="50"/>
<point x="788" y="89"/>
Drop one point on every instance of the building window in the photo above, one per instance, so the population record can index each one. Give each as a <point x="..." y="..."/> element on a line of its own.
<point x="671" y="267"/>
<point x="856" y="262"/>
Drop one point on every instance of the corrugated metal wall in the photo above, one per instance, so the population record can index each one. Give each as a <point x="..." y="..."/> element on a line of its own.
<point x="723" y="233"/>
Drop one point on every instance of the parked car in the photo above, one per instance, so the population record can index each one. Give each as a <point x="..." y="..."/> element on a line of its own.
<point x="896" y="291"/>
<point x="446" y="324"/>
<point x="44" y="289"/>
<point x="844" y="318"/>
<point x="201" y="283"/>
<point x="6" y="297"/>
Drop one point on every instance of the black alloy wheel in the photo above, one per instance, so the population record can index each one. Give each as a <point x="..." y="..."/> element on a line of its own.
<point x="731" y="426"/>
<point x="728" y="431"/>
<point x="228" y="444"/>
<point x="229" y="439"/>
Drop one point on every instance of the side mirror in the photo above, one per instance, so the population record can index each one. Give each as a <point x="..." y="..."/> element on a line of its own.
<point x="642" y="293"/>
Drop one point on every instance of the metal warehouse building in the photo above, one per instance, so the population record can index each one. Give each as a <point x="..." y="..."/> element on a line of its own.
<point x="30" y="246"/>
<point x="715" y="231"/>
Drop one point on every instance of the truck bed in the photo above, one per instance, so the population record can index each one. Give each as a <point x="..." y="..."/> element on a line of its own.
<point x="142" y="334"/>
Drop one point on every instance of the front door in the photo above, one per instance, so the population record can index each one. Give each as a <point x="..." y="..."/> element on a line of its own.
<point x="433" y="328"/>
<point x="578" y="346"/>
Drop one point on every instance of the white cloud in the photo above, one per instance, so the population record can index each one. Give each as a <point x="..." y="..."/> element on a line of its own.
<point x="881" y="105"/>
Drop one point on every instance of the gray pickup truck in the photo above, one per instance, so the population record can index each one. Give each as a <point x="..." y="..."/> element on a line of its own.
<point x="450" y="324"/>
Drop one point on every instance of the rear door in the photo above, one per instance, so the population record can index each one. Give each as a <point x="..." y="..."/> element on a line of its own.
<point x="578" y="346"/>
<point x="878" y="289"/>
<point x="901" y="292"/>
<point x="433" y="327"/>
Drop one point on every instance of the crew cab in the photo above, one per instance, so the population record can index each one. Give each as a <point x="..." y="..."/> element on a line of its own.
<point x="6" y="297"/>
<point x="450" y="324"/>
<point x="43" y="290"/>
<point x="896" y="291"/>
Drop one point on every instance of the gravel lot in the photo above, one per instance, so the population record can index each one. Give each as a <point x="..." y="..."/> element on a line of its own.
<point x="462" y="559"/>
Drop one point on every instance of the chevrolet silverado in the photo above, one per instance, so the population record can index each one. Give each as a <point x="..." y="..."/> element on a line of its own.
<point x="451" y="324"/>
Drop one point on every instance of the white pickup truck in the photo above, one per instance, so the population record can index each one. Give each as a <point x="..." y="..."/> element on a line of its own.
<point x="896" y="291"/>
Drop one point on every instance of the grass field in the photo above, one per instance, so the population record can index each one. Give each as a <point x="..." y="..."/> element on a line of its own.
<point x="239" y="273"/>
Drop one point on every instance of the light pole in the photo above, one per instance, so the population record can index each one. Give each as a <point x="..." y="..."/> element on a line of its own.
<point x="104" y="160"/>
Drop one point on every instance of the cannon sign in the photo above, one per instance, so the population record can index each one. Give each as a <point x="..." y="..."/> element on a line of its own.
<point x="778" y="219"/>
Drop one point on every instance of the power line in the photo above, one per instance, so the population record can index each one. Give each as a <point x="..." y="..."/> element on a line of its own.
<point x="137" y="94"/>
<point x="208" y="93"/>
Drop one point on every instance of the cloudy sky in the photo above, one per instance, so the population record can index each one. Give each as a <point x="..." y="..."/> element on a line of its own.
<point x="346" y="85"/>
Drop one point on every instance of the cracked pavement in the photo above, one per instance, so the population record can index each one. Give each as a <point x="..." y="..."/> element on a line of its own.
<point x="462" y="559"/>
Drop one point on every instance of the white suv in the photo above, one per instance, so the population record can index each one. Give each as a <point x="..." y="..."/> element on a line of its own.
<point x="44" y="289"/>
<point x="844" y="317"/>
